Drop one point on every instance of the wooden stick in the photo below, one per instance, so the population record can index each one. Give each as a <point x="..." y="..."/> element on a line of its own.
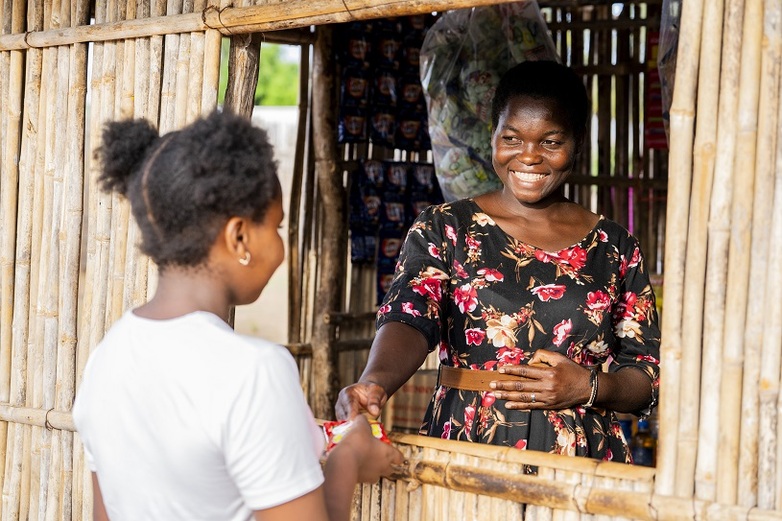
<point x="754" y="345"/>
<point x="682" y="116"/>
<point x="716" y="270"/>
<point x="737" y="292"/>
<point x="695" y="270"/>
<point x="238" y="20"/>
<point x="11" y="143"/>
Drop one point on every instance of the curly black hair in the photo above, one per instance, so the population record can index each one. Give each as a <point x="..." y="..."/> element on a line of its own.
<point x="184" y="186"/>
<point x="544" y="80"/>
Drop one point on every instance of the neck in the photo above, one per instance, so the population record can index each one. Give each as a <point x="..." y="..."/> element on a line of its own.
<point x="185" y="290"/>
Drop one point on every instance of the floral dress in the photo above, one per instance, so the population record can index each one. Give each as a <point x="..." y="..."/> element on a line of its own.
<point x="485" y="299"/>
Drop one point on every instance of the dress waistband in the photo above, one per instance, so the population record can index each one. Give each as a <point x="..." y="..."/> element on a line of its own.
<point x="471" y="379"/>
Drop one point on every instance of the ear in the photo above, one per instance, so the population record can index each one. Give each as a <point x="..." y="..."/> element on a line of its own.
<point x="235" y="236"/>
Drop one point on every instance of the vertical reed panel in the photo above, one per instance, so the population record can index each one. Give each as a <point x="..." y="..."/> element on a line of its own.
<point x="695" y="269"/>
<point x="10" y="144"/>
<point x="682" y="116"/>
<point x="768" y="107"/>
<point x="717" y="254"/>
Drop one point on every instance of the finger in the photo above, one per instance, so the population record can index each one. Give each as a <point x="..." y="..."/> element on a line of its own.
<point x="517" y="370"/>
<point x="375" y="401"/>
<point x="508" y="385"/>
<point x="546" y="357"/>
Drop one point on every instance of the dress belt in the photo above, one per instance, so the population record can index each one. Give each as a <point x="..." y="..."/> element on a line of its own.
<point x="471" y="379"/>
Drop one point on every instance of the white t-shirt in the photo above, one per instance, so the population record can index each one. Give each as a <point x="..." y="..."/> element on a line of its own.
<point x="186" y="419"/>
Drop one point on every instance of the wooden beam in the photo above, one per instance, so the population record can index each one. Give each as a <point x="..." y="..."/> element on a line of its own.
<point x="290" y="14"/>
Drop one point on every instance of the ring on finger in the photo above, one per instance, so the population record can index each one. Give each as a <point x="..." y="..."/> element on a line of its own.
<point x="532" y="398"/>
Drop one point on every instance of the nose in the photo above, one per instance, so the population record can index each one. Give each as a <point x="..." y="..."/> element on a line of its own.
<point x="529" y="154"/>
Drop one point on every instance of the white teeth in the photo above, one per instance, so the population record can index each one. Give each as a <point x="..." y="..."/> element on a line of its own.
<point x="524" y="176"/>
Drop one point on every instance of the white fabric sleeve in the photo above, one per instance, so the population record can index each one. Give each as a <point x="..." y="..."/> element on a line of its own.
<point x="269" y="446"/>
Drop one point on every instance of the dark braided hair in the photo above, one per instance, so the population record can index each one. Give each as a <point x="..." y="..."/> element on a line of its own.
<point x="184" y="186"/>
<point x="544" y="80"/>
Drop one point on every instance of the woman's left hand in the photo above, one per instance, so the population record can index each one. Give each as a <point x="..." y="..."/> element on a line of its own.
<point x="549" y="381"/>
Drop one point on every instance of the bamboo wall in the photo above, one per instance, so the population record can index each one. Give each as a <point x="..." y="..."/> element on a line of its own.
<point x="68" y="268"/>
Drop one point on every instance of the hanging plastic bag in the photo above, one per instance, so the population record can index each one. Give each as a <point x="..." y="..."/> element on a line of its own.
<point x="463" y="57"/>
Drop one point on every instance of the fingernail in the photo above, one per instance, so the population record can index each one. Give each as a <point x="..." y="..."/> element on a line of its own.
<point x="492" y="385"/>
<point x="501" y="370"/>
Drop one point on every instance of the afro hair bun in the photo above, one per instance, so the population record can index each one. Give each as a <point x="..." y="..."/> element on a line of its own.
<point x="125" y="145"/>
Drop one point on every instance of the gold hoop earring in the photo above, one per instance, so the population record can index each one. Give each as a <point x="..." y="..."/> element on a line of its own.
<point x="246" y="260"/>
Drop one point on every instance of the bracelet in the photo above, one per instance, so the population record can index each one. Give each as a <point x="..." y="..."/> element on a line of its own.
<point x="593" y="384"/>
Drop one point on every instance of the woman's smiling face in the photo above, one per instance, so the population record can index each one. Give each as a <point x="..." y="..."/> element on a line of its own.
<point x="533" y="148"/>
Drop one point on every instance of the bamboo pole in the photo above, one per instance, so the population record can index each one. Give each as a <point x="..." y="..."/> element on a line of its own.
<point x="11" y="143"/>
<point x="769" y="381"/>
<point x="212" y="43"/>
<point x="295" y="260"/>
<point x="695" y="269"/>
<point x="717" y="255"/>
<point x="682" y="115"/>
<point x="239" y="20"/>
<point x="754" y="345"/>
<point x="168" y="92"/>
<point x="737" y="292"/>
<point x="333" y="252"/>
<point x="182" y="73"/>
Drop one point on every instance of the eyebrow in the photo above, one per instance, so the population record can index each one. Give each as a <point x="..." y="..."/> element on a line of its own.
<point x="549" y="133"/>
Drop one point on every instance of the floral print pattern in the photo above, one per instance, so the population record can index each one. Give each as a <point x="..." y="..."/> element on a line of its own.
<point x="486" y="299"/>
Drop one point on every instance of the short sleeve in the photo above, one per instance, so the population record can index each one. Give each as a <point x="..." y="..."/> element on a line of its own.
<point x="421" y="277"/>
<point x="269" y="448"/>
<point x="634" y="318"/>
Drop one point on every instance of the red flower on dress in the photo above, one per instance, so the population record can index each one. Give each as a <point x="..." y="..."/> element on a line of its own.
<point x="510" y="355"/>
<point x="575" y="257"/>
<point x="648" y="358"/>
<point x="602" y="236"/>
<point x="488" y="399"/>
<point x="384" y="309"/>
<point x="430" y="287"/>
<point x="434" y="251"/>
<point x="474" y="336"/>
<point x="521" y="444"/>
<point x="549" y="291"/>
<point x="450" y="233"/>
<point x="491" y="275"/>
<point x="561" y="331"/>
<point x="466" y="298"/>
<point x="408" y="308"/>
<point x="542" y="256"/>
<point x="598" y="301"/>
<point x="472" y="242"/>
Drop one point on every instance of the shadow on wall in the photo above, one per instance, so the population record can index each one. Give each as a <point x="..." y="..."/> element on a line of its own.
<point x="267" y="317"/>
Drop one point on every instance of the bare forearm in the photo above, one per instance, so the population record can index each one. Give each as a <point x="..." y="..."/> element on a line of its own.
<point x="626" y="390"/>
<point x="397" y="352"/>
<point x="341" y="477"/>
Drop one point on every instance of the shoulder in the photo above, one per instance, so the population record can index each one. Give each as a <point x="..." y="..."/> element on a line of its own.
<point x="614" y="233"/>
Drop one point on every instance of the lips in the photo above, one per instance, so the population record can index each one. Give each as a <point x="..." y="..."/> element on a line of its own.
<point x="529" y="177"/>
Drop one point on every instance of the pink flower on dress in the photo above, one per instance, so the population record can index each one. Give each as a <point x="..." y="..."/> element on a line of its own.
<point x="459" y="269"/>
<point x="648" y="358"/>
<point x="542" y="256"/>
<point x="466" y="298"/>
<point x="408" y="308"/>
<point x="549" y="292"/>
<point x="602" y="236"/>
<point x="474" y="336"/>
<point x="434" y="251"/>
<point x="561" y="331"/>
<point x="384" y="309"/>
<point x="635" y="259"/>
<point x="472" y="242"/>
<point x="450" y="233"/>
<point x="446" y="430"/>
<point x="469" y="417"/>
<point x="598" y="300"/>
<point x="488" y="399"/>
<point x="442" y="351"/>
<point x="491" y="275"/>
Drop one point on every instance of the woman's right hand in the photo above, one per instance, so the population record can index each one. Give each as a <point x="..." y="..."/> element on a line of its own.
<point x="361" y="397"/>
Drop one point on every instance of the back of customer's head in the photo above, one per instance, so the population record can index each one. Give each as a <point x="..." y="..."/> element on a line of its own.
<point x="184" y="186"/>
<point x="546" y="80"/>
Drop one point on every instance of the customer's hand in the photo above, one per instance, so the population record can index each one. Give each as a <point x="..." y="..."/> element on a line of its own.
<point x="361" y="397"/>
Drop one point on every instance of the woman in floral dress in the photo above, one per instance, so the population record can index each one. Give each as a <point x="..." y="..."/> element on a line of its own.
<point x="545" y="304"/>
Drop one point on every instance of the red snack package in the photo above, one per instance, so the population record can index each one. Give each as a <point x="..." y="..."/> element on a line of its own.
<point x="336" y="430"/>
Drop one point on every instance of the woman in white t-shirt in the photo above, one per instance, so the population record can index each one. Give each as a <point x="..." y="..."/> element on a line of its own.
<point x="181" y="417"/>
